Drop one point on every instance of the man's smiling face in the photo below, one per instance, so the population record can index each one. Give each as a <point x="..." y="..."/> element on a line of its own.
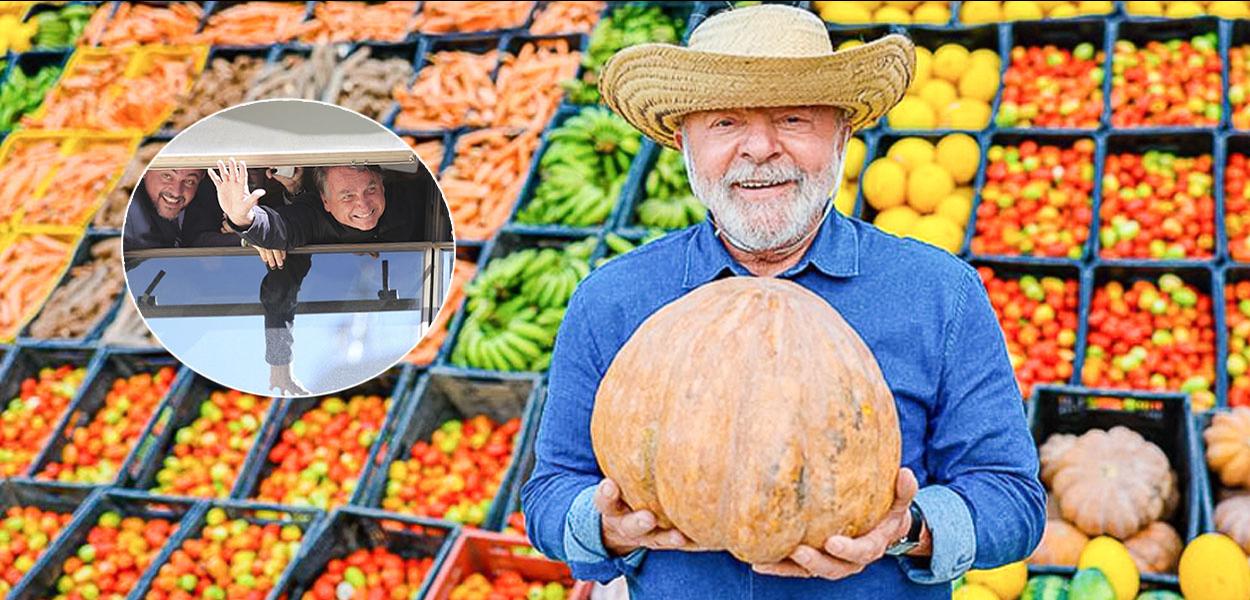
<point x="354" y="197"/>
<point x="171" y="190"/>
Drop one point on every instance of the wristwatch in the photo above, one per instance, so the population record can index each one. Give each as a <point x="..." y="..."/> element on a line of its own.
<point x="908" y="542"/>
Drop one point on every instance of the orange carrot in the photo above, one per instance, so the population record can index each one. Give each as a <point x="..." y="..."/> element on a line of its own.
<point x="23" y="169"/>
<point x="427" y="348"/>
<point x="137" y="23"/>
<point x="79" y="95"/>
<point x="483" y="182"/>
<point x="29" y="268"/>
<point x="564" y="16"/>
<point x="528" y="85"/>
<point x="253" y="23"/>
<point x="81" y="181"/>
<point x="454" y="89"/>
<point x="357" y="21"/>
<point x="145" y="100"/>
<point x="82" y="98"/>
<point x="458" y="17"/>
<point x="430" y="152"/>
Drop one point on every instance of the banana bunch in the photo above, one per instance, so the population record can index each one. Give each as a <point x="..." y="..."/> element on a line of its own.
<point x="618" y="245"/>
<point x="516" y="305"/>
<point x="627" y="25"/>
<point x="582" y="171"/>
<point x="669" y="202"/>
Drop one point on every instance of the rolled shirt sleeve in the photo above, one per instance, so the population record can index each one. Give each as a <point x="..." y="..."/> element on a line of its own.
<point x="953" y="535"/>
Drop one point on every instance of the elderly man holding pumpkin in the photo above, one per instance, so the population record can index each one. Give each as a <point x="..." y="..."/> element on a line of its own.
<point x="782" y="402"/>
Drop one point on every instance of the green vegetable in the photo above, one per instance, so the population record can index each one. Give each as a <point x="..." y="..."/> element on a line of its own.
<point x="21" y="93"/>
<point x="1090" y="584"/>
<point x="61" y="28"/>
<point x="628" y="25"/>
<point x="1046" y="587"/>
<point x="670" y="204"/>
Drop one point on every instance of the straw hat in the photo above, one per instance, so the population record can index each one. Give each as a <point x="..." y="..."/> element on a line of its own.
<point x="760" y="56"/>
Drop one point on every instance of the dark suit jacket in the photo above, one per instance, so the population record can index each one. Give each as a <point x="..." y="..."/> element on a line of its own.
<point x="201" y="222"/>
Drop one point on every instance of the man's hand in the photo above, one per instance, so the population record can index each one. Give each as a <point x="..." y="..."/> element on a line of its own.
<point x="274" y="258"/>
<point x="625" y="531"/>
<point x="292" y="183"/>
<point x="844" y="556"/>
<point x="232" y="193"/>
<point x="281" y="378"/>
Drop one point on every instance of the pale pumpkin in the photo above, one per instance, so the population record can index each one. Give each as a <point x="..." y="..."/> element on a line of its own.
<point x="1111" y="482"/>
<point x="1156" y="548"/>
<point x="751" y="417"/>
<point x="1232" y="518"/>
<point x="1061" y="545"/>
<point x="1228" y="446"/>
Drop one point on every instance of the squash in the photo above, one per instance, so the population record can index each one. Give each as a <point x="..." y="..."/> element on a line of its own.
<point x="1156" y="548"/>
<point x="1112" y="559"/>
<point x="1046" y="587"/>
<point x="1228" y="446"/>
<point x="1111" y="482"/>
<point x="1213" y="567"/>
<point x="1232" y="518"/>
<point x="751" y="417"/>
<point x="1006" y="581"/>
<point x="1091" y="584"/>
<point x="1051" y="452"/>
<point x="1061" y="545"/>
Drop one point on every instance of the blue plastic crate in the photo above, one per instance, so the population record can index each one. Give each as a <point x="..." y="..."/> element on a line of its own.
<point x="443" y="394"/>
<point x="46" y="497"/>
<point x="1235" y="142"/>
<point x="1141" y="31"/>
<point x="475" y="43"/>
<point x="1066" y="34"/>
<point x="42" y="580"/>
<point x="972" y="37"/>
<point x="351" y="528"/>
<point x="115" y="364"/>
<point x="394" y="385"/>
<point x="185" y="409"/>
<point x="256" y="513"/>
<point x="82" y="255"/>
<point x="1163" y="419"/>
<point x="211" y="7"/>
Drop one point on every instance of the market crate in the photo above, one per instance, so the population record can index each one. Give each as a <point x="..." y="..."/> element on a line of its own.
<point x="76" y="145"/>
<point x="1014" y="138"/>
<point x="1182" y="145"/>
<point x="1141" y="32"/>
<point x="633" y="178"/>
<point x="28" y="362"/>
<point x="114" y="365"/>
<point x="502" y="246"/>
<point x="42" y="580"/>
<point x="49" y="499"/>
<point x="1015" y="268"/>
<point x="1163" y="419"/>
<point x="1231" y="276"/>
<point x="186" y="407"/>
<point x="442" y="395"/>
<point x="1149" y="583"/>
<point x="352" y="528"/>
<point x="513" y="44"/>
<point x="214" y="9"/>
<point x="989" y="37"/>
<point x="392" y="385"/>
<point x="19" y="242"/>
<point x="1229" y="207"/>
<point x="519" y="27"/>
<point x="406" y="51"/>
<point x="1203" y="278"/>
<point x="490" y="554"/>
<point x="30" y="64"/>
<point x="42" y="7"/>
<point x="409" y="36"/>
<point x="1234" y="34"/>
<point x="230" y="53"/>
<point x="254" y="513"/>
<point x="1065" y="35"/>
<point x="81" y="256"/>
<point x="476" y="43"/>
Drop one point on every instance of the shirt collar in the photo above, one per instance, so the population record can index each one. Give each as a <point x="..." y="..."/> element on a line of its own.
<point x="834" y="251"/>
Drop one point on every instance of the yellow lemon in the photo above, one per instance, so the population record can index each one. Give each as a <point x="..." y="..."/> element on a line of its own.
<point x="935" y="230"/>
<point x="1229" y="10"/>
<point x="849" y="44"/>
<point x="927" y="185"/>
<point x="898" y="220"/>
<point x="1146" y="9"/>
<point x="844" y="201"/>
<point x="950" y="61"/>
<point x="1063" y="11"/>
<point x="924" y="68"/>
<point x="1007" y="581"/>
<point x="966" y="113"/>
<point x="912" y="113"/>
<point x="965" y="191"/>
<point x="885" y="184"/>
<point x="1021" y="11"/>
<point x="1048" y="5"/>
<point x="1213" y="567"/>
<point x="972" y="591"/>
<point x="1181" y="10"/>
<point x="960" y="155"/>
<point x="903" y="4"/>
<point x="1101" y="8"/>
<point x="956" y="208"/>
<point x="847" y="13"/>
<point x="979" y="82"/>
<point x="939" y="93"/>
<point x="911" y="152"/>
<point x="987" y="57"/>
<point x="892" y="14"/>
<point x="1111" y="557"/>
<point x="976" y="13"/>
<point x="931" y="13"/>
<point x="854" y="158"/>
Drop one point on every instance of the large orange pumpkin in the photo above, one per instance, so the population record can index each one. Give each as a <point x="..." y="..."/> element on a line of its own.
<point x="750" y="416"/>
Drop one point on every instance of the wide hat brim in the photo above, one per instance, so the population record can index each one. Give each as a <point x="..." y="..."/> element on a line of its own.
<point x="654" y="85"/>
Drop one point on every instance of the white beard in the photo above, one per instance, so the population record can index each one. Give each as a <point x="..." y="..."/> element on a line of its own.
<point x="760" y="226"/>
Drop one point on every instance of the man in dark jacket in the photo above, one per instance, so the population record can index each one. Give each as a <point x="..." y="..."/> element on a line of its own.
<point x="174" y="208"/>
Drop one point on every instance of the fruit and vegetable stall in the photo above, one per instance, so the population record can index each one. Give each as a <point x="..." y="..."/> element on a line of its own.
<point x="1089" y="159"/>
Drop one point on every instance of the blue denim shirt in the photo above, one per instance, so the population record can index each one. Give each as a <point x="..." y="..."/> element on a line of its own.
<point x="926" y="317"/>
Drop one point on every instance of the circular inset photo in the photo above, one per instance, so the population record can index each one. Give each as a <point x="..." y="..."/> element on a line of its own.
<point x="288" y="248"/>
